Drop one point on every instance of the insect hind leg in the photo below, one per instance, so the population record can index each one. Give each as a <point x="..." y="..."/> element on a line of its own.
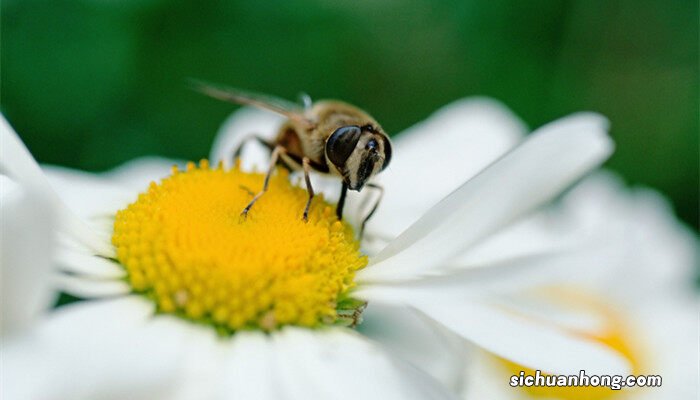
<point x="276" y="152"/>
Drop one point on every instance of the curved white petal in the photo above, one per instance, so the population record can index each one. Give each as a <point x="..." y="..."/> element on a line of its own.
<point x="508" y="324"/>
<point x="434" y="157"/>
<point x="26" y="247"/>
<point x="533" y="173"/>
<point x="120" y="349"/>
<point x="18" y="164"/>
<point x="643" y="264"/>
<point x="411" y="337"/>
<point x="670" y="326"/>
<point x="493" y="279"/>
<point x="87" y="194"/>
<point x="489" y="379"/>
<point x="664" y="328"/>
<point x="126" y="312"/>
<point x="599" y="234"/>
<point x="24" y="369"/>
<point x="88" y="265"/>
<point x="137" y="174"/>
<point x="541" y="233"/>
<point x="657" y="253"/>
<point x="238" y="126"/>
<point x="527" y="342"/>
<point x="110" y="349"/>
<point x="89" y="288"/>
<point x="341" y="364"/>
<point x="248" y="370"/>
<point x="200" y="355"/>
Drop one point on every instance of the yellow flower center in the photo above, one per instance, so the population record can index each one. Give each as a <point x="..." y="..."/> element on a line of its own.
<point x="611" y="331"/>
<point x="186" y="246"/>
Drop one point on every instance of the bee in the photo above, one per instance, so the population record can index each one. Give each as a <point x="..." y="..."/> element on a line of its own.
<point x="328" y="136"/>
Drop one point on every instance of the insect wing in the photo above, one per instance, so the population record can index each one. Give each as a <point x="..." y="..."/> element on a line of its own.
<point x="284" y="107"/>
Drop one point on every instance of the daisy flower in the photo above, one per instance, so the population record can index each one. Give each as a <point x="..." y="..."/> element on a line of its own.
<point x="635" y="290"/>
<point x="264" y="307"/>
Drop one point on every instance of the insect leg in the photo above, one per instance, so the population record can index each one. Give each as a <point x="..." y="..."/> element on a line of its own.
<point x="374" y="208"/>
<point x="307" y="168"/>
<point x="245" y="140"/>
<point x="353" y="316"/>
<point x="273" y="162"/>
<point x="341" y="201"/>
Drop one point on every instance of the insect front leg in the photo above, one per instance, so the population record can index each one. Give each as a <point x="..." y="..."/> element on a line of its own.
<point x="239" y="149"/>
<point x="374" y="207"/>
<point x="307" y="168"/>
<point x="279" y="150"/>
<point x="341" y="202"/>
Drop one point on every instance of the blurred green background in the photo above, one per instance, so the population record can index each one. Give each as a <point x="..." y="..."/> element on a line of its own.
<point x="93" y="83"/>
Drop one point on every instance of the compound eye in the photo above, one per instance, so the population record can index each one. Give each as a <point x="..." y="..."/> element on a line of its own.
<point x="387" y="153"/>
<point x="342" y="143"/>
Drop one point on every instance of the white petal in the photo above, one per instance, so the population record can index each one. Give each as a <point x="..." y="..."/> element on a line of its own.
<point x="88" y="265"/>
<point x="17" y="163"/>
<point x="125" y="311"/>
<point x="600" y="234"/>
<point x="24" y="368"/>
<point x="665" y="328"/>
<point x="86" y="235"/>
<point x="540" y="233"/>
<point x="488" y="379"/>
<point x="111" y="350"/>
<point x="495" y="279"/>
<point x="241" y="124"/>
<point x="434" y="157"/>
<point x="88" y="194"/>
<point x="655" y="253"/>
<point x="528" y="342"/>
<point x="201" y="354"/>
<point x="137" y="174"/>
<point x="514" y="326"/>
<point x="550" y="160"/>
<point x="26" y="247"/>
<point x="248" y="370"/>
<point x="114" y="349"/>
<point x="411" y="337"/>
<point x="90" y="288"/>
<point x="341" y="364"/>
<point x="669" y="325"/>
<point x="336" y="364"/>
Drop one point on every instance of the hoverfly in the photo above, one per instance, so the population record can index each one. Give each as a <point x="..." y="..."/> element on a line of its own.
<point x="329" y="136"/>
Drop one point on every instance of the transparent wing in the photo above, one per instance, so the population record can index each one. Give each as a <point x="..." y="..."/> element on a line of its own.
<point x="284" y="107"/>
